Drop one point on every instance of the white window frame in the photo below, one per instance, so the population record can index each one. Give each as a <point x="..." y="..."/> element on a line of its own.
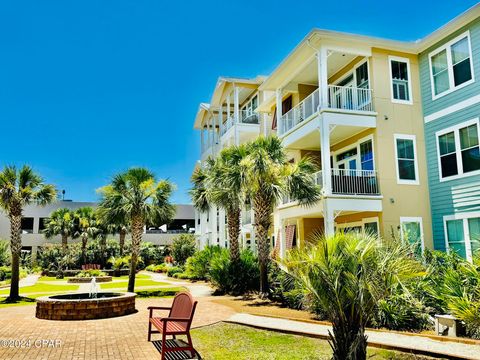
<point x="417" y="219"/>
<point x="414" y="139"/>
<point x="360" y="223"/>
<point x="409" y="75"/>
<point x="456" y="133"/>
<point x="447" y="46"/>
<point x="356" y="145"/>
<point x="353" y="71"/>
<point x="466" y="232"/>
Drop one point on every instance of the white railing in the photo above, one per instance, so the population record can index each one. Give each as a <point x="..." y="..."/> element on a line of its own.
<point x="306" y="108"/>
<point x="348" y="182"/>
<point x="355" y="182"/>
<point x="227" y="125"/>
<point x="248" y="117"/>
<point x="349" y="98"/>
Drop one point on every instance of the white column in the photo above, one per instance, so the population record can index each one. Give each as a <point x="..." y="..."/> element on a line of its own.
<point x="202" y="130"/>
<point x="220" y="120"/>
<point x="236" y="108"/>
<point x="278" y="97"/>
<point x="228" y="106"/>
<point x="322" y="76"/>
<point x="325" y="156"/>
<point x="328" y="218"/>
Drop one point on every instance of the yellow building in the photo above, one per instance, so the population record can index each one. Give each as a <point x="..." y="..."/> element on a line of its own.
<point x="353" y="104"/>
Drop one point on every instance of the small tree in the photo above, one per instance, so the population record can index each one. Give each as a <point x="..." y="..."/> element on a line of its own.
<point x="61" y="222"/>
<point x="183" y="247"/>
<point x="348" y="274"/>
<point x="85" y="227"/>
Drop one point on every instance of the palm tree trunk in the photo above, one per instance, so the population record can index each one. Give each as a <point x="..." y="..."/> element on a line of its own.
<point x="84" y="248"/>
<point x="262" y="210"/>
<point x="233" y="222"/>
<point x="122" y="235"/>
<point x="16" y="248"/>
<point x="137" y="231"/>
<point x="64" y="243"/>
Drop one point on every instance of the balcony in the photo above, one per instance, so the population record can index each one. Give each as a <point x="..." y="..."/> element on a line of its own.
<point x="341" y="99"/>
<point x="242" y="130"/>
<point x="349" y="182"/>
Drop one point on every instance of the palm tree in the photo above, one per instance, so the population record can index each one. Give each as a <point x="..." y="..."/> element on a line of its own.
<point x="348" y="273"/>
<point x="118" y="224"/>
<point x="86" y="227"/>
<point x="267" y="177"/>
<point x="18" y="188"/>
<point x="60" y="222"/>
<point x="220" y="183"/>
<point x="103" y="230"/>
<point x="137" y="195"/>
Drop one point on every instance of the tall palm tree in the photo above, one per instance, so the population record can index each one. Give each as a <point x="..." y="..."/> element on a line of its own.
<point x="267" y="178"/>
<point x="348" y="273"/>
<point x="138" y="196"/>
<point x="85" y="227"/>
<point x="220" y="183"/>
<point x="18" y="188"/>
<point x="60" y="222"/>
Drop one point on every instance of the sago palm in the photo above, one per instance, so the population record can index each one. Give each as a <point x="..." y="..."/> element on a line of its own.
<point x="86" y="227"/>
<point x="348" y="274"/>
<point x="268" y="176"/>
<point x="220" y="183"/>
<point x="18" y="188"/>
<point x="60" y="222"/>
<point x="138" y="196"/>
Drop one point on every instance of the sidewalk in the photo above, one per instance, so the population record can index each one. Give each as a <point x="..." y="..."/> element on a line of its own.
<point x="415" y="343"/>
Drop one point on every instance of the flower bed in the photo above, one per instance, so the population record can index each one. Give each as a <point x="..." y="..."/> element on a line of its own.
<point x="82" y="280"/>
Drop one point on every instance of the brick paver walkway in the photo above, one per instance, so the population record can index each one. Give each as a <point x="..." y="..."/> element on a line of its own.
<point x="117" y="338"/>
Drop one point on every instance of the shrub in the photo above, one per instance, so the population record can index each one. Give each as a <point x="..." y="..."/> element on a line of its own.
<point x="162" y="268"/>
<point x="119" y="263"/>
<point x="174" y="270"/>
<point x="90" y="273"/>
<point x="4" y="253"/>
<point x="233" y="278"/>
<point x="183" y="247"/>
<point x="198" y="265"/>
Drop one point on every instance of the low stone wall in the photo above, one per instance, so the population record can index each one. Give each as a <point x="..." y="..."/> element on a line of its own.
<point x="82" y="280"/>
<point x="68" y="273"/>
<point x="84" y="309"/>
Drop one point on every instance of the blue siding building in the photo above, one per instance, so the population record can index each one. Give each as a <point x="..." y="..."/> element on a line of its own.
<point x="450" y="86"/>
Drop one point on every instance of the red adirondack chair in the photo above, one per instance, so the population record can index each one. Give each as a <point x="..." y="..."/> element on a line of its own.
<point x="178" y="322"/>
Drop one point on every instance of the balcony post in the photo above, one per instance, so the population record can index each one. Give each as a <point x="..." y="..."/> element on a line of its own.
<point x="202" y="142"/>
<point x="328" y="218"/>
<point x="322" y="76"/>
<point x="278" y="109"/>
<point x="228" y="106"/>
<point x="236" y="105"/>
<point x="220" y="120"/>
<point x="325" y="157"/>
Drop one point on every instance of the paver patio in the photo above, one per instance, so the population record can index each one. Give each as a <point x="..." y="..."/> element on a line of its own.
<point x="116" y="338"/>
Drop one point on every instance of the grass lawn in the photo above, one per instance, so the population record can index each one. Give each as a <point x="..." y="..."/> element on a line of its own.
<point x="42" y="288"/>
<point x="229" y="341"/>
<point x="138" y="283"/>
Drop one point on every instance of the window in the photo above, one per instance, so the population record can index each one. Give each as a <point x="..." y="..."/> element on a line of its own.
<point x="462" y="234"/>
<point x="459" y="150"/>
<point x="41" y="224"/>
<point x="248" y="111"/>
<point x="451" y="66"/>
<point x="411" y="230"/>
<point x="366" y="225"/>
<point x="361" y="75"/>
<point x="406" y="159"/>
<point x="400" y="78"/>
<point x="366" y="155"/>
<point x="27" y="225"/>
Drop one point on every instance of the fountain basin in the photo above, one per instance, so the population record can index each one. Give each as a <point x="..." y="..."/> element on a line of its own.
<point x="79" y="306"/>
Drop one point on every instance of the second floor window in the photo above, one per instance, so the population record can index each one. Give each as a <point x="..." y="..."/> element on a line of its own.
<point x="406" y="159"/>
<point x="451" y="66"/>
<point x="400" y="77"/>
<point x="459" y="150"/>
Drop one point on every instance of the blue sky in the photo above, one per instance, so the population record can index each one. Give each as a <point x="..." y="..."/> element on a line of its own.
<point x="90" y="88"/>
